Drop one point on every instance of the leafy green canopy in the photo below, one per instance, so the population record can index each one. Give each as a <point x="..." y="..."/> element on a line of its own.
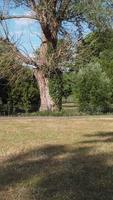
<point x="94" y="92"/>
<point x="96" y="46"/>
<point x="19" y="92"/>
<point x="98" y="13"/>
<point x="94" y="60"/>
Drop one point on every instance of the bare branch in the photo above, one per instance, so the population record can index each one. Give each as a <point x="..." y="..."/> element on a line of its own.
<point x="18" y="55"/>
<point x="5" y="17"/>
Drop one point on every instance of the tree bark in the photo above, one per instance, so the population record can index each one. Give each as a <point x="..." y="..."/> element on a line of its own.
<point x="46" y="102"/>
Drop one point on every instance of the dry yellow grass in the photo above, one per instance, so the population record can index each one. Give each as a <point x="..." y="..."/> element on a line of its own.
<point x="56" y="158"/>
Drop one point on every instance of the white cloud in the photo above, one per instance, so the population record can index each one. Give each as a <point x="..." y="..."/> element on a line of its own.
<point x="24" y="21"/>
<point x="31" y="55"/>
<point x="30" y="13"/>
<point x="20" y="23"/>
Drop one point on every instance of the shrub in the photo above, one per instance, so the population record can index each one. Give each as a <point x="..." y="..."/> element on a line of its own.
<point x="93" y="89"/>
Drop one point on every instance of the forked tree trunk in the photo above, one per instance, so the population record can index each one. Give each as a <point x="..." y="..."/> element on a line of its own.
<point x="46" y="102"/>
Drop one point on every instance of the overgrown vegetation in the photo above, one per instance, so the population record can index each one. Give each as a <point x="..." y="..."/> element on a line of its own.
<point x="94" y="64"/>
<point x="54" y="16"/>
<point x="18" y="89"/>
<point x="19" y="95"/>
<point x="94" y="92"/>
<point x="89" y="81"/>
<point x="56" y="88"/>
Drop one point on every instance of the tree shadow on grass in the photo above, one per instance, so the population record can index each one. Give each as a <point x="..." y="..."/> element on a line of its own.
<point x="58" y="172"/>
<point x="99" y="137"/>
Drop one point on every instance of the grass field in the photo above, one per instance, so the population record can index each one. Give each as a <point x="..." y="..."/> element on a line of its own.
<point x="56" y="158"/>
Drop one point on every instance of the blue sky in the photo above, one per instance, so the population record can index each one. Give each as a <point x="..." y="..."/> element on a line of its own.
<point x="27" y="32"/>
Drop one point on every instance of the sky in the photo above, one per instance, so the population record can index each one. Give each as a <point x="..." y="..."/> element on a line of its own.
<point x="27" y="32"/>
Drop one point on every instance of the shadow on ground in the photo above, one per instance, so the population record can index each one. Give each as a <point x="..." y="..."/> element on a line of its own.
<point x="99" y="137"/>
<point x="57" y="172"/>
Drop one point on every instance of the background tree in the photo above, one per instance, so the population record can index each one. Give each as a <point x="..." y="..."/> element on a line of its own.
<point x="95" y="50"/>
<point x="19" y="92"/>
<point x="94" y="92"/>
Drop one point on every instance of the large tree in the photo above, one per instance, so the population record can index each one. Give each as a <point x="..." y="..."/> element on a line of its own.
<point x="51" y="14"/>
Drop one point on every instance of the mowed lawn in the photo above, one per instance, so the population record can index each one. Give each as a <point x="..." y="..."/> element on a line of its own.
<point x="56" y="158"/>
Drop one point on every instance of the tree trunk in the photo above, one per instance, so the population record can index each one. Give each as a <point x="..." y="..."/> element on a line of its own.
<point x="46" y="102"/>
